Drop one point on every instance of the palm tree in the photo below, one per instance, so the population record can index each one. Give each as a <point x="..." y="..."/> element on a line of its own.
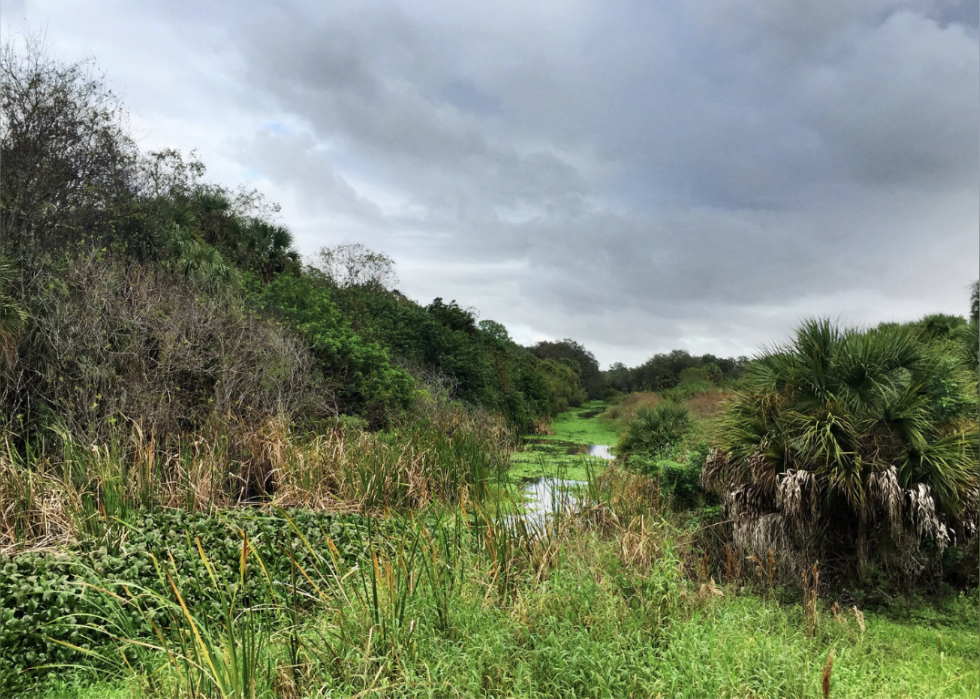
<point x="841" y="429"/>
<point x="269" y="249"/>
<point x="174" y="235"/>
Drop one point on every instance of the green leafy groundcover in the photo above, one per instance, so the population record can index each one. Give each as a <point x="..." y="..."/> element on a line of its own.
<point x="50" y="615"/>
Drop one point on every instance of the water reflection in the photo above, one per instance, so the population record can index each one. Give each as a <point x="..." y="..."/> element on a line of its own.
<point x="600" y="451"/>
<point x="546" y="496"/>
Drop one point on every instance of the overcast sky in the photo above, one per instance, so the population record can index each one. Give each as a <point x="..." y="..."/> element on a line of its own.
<point x="639" y="176"/>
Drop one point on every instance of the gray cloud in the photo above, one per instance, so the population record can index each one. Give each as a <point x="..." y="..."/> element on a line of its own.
<point x="639" y="176"/>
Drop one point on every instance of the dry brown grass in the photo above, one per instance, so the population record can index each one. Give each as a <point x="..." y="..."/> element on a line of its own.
<point x="706" y="405"/>
<point x="50" y="500"/>
<point x="625" y="411"/>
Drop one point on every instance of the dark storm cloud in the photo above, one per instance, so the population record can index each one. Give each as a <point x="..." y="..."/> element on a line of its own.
<point x="639" y="176"/>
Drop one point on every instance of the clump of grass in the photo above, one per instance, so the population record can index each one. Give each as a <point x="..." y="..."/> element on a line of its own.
<point x="706" y="405"/>
<point x="624" y="412"/>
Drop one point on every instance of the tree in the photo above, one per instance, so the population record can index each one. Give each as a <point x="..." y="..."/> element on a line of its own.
<point x="582" y="359"/>
<point x="67" y="160"/>
<point x="975" y="302"/>
<point x="494" y="330"/>
<point x="353" y="264"/>
<point x="837" y="445"/>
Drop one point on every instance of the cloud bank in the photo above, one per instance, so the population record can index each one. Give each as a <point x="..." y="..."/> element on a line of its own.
<point x="637" y="176"/>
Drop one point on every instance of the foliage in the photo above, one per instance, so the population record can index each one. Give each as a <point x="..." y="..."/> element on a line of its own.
<point x="67" y="160"/>
<point x="655" y="430"/>
<point x="49" y="601"/>
<point x="366" y="381"/>
<point x="443" y="344"/>
<point x="665" y="371"/>
<point x="843" y="432"/>
<point x="593" y="610"/>
<point x="580" y="359"/>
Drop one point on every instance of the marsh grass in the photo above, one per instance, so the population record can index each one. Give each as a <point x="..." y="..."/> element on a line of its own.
<point x="81" y="492"/>
<point x="452" y="595"/>
<point x="455" y="601"/>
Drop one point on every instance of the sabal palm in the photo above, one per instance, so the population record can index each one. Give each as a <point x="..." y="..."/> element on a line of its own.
<point x="176" y="225"/>
<point x="269" y="247"/>
<point x="851" y="409"/>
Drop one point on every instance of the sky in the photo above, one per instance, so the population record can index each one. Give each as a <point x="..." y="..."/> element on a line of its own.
<point x="638" y="176"/>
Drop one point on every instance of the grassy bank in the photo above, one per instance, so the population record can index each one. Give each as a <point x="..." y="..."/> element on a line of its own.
<point x="449" y="604"/>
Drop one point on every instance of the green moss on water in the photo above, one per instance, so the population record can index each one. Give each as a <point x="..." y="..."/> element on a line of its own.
<point x="548" y="455"/>
<point x="582" y="425"/>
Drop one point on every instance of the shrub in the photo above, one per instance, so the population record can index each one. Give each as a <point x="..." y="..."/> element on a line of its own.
<point x="110" y="341"/>
<point x="655" y="430"/>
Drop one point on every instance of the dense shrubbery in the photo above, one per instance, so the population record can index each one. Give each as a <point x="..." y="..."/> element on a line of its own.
<point x="111" y="342"/>
<point x="129" y="284"/>
<point x="664" y="442"/>
<point x="667" y="371"/>
<point x="655" y="430"/>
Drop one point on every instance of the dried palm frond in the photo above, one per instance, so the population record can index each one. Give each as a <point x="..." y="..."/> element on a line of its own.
<point x="794" y="488"/>
<point x="747" y="501"/>
<point x="922" y="512"/>
<point x="761" y="535"/>
<point x="763" y="473"/>
<point x="886" y="494"/>
<point x="971" y="511"/>
<point x="716" y="464"/>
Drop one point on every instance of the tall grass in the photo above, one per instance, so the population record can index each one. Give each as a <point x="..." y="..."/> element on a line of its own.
<point x="456" y="600"/>
<point x="73" y="491"/>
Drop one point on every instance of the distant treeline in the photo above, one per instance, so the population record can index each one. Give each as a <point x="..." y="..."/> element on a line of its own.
<point x="665" y="371"/>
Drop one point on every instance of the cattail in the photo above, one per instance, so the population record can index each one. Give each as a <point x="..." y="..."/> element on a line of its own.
<point x="828" y="669"/>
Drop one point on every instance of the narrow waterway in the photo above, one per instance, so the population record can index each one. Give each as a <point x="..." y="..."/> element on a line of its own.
<point x="552" y="469"/>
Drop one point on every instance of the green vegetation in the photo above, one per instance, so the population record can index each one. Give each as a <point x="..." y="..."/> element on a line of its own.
<point x="561" y="452"/>
<point x="225" y="473"/>
<point x="666" y="371"/>
<point x="845" y="437"/>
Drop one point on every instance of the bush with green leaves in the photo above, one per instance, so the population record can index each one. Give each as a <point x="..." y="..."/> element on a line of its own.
<point x="679" y="476"/>
<point x="656" y="430"/>
<point x="51" y="613"/>
<point x="367" y="382"/>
